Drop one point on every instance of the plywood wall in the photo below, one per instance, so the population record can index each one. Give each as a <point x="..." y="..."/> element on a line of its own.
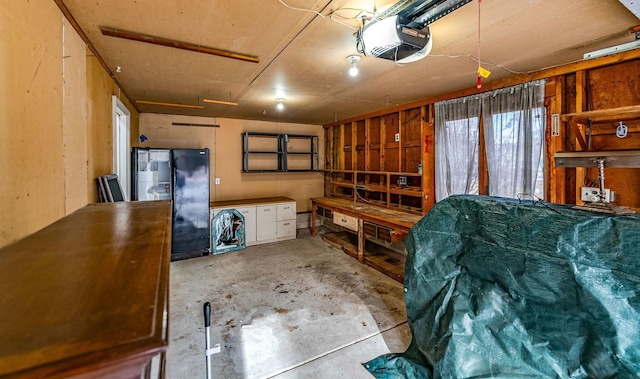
<point x="225" y="145"/>
<point x="47" y="114"/>
<point x="31" y="139"/>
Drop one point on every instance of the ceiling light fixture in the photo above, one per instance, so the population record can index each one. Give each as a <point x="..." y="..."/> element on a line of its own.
<point x="169" y="104"/>
<point x="219" y="102"/>
<point x="353" y="59"/>
<point x="280" y="103"/>
<point x="612" y="50"/>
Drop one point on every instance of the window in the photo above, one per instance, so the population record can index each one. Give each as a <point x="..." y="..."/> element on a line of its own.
<point x="514" y="124"/>
<point x="457" y="142"/>
<point x="121" y="144"/>
<point x="513" y="120"/>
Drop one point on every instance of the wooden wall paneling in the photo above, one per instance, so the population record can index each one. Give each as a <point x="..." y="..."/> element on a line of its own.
<point x="367" y="144"/>
<point x="374" y="134"/>
<point x="361" y="143"/>
<point x="392" y="156"/>
<point x="412" y="139"/>
<point x="347" y="138"/>
<point x="383" y="144"/>
<point x="614" y="86"/>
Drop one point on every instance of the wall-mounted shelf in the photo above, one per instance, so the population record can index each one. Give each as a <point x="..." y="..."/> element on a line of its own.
<point x="278" y="152"/>
<point x="394" y="190"/>
<point x="385" y="160"/>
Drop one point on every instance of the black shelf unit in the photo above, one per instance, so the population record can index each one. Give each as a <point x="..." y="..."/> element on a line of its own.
<point x="279" y="152"/>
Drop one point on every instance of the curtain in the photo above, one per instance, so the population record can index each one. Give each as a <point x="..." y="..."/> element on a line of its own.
<point x="457" y="141"/>
<point x="514" y="123"/>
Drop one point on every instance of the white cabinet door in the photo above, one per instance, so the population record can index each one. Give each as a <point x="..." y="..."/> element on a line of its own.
<point x="250" y="225"/>
<point x="286" y="229"/>
<point x="286" y="211"/>
<point x="266" y="222"/>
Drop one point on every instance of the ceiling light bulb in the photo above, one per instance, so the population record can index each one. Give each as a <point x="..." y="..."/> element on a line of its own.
<point x="353" y="71"/>
<point x="280" y="104"/>
<point x="353" y="59"/>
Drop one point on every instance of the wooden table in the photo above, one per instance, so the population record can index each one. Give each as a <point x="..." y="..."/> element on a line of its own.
<point x="396" y="222"/>
<point x="87" y="296"/>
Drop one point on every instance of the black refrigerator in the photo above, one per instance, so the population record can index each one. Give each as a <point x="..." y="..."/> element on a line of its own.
<point x="180" y="175"/>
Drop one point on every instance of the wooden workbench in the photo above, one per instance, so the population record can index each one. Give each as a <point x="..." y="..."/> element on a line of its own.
<point x="368" y="219"/>
<point x="87" y="296"/>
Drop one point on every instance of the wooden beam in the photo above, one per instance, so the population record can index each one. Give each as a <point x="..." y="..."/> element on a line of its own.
<point x="556" y="176"/>
<point x="178" y="45"/>
<point x="169" y="104"/>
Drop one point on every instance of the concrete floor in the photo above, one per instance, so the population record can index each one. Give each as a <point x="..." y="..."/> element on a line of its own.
<point x="292" y="309"/>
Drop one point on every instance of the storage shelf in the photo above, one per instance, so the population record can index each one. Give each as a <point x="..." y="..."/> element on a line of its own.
<point x="604" y="115"/>
<point x="388" y="157"/>
<point x="256" y="144"/>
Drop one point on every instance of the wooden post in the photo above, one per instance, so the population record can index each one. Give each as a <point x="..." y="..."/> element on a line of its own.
<point x="428" y="159"/>
<point x="360" y="240"/>
<point x="581" y="100"/>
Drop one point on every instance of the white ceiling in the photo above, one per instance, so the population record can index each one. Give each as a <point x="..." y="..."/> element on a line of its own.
<point x="303" y="55"/>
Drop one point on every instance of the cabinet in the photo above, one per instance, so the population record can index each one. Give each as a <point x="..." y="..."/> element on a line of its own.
<point x="273" y="152"/>
<point x="266" y="219"/>
<point x="87" y="296"/>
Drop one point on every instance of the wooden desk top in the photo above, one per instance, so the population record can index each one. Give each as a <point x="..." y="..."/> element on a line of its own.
<point x="248" y="202"/>
<point x="372" y="213"/>
<point x="87" y="295"/>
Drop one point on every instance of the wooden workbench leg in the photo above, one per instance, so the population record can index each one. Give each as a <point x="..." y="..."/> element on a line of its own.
<point x="360" y="240"/>
<point x="313" y="219"/>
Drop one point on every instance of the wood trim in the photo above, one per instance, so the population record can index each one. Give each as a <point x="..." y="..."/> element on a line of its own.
<point x="177" y="45"/>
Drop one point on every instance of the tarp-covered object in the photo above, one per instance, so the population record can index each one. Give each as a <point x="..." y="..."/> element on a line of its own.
<point x="499" y="289"/>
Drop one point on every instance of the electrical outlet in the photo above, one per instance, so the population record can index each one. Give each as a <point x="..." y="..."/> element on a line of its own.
<point x="397" y="137"/>
<point x="217" y="180"/>
<point x="592" y="194"/>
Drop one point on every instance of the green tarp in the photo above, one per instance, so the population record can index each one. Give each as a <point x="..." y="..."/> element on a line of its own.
<point x="495" y="288"/>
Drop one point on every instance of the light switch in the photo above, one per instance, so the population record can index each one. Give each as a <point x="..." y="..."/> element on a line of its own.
<point x="217" y="180"/>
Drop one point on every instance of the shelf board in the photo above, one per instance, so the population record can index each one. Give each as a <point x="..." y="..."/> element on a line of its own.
<point x="406" y="208"/>
<point x="263" y="152"/>
<point x="387" y="261"/>
<point x="408" y="191"/>
<point x="342" y="183"/>
<point x="383" y="173"/>
<point x="603" y="115"/>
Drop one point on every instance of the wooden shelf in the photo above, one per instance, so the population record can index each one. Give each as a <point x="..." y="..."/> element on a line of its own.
<point x="256" y="144"/>
<point x="603" y="115"/>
